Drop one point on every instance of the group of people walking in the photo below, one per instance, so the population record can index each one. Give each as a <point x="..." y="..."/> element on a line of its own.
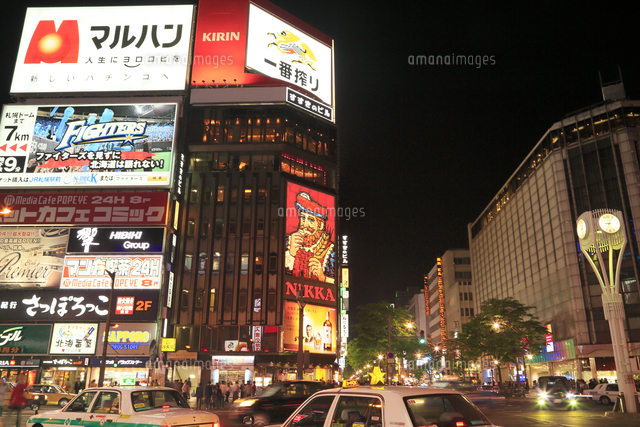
<point x="215" y="396"/>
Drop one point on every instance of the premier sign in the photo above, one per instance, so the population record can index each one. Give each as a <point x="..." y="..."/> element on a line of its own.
<point x="116" y="240"/>
<point x="104" y="49"/>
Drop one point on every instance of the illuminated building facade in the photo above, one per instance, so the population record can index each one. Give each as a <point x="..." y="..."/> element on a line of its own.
<point x="524" y="245"/>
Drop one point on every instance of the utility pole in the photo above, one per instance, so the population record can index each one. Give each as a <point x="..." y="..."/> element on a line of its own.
<point x="111" y="274"/>
<point x="301" y="305"/>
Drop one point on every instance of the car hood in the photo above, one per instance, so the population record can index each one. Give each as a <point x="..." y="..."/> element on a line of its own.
<point x="176" y="416"/>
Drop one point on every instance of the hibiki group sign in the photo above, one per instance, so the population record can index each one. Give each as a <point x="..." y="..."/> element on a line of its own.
<point x="32" y="257"/>
<point x="87" y="145"/>
<point x="132" y="272"/>
<point x="103" y="49"/>
<point x="84" y="208"/>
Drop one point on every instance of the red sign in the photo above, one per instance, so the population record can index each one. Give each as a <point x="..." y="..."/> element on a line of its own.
<point x="109" y="208"/>
<point x="221" y="40"/>
<point x="124" y="305"/>
<point x="319" y="293"/>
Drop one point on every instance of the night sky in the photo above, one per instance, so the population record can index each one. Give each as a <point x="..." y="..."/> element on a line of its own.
<point x="425" y="148"/>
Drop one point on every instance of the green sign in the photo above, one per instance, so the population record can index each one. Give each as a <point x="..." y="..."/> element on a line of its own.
<point x="128" y="381"/>
<point x="30" y="339"/>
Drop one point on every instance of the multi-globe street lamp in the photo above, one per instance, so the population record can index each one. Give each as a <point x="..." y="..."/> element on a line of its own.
<point x="601" y="232"/>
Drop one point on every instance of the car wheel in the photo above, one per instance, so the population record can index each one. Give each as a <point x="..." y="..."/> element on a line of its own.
<point x="63" y="402"/>
<point x="605" y="400"/>
<point x="260" y="420"/>
<point x="35" y="406"/>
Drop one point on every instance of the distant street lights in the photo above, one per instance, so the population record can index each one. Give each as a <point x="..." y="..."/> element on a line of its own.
<point x="601" y="231"/>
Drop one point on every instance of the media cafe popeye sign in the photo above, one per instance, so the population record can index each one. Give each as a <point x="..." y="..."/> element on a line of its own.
<point x="116" y="240"/>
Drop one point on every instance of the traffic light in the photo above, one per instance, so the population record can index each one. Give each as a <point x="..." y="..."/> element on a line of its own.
<point x="422" y="339"/>
<point x="115" y="362"/>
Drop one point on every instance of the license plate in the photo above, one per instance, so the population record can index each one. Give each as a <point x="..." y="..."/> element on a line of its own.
<point x="557" y="400"/>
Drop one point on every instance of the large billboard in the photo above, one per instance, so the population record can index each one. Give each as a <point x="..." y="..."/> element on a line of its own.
<point x="71" y="146"/>
<point x="116" y="240"/>
<point x="132" y="272"/>
<point x="311" y="231"/>
<point x="32" y="257"/>
<point x="283" y="52"/>
<point x="319" y="323"/>
<point x="27" y="339"/>
<point x="228" y="38"/>
<point x="109" y="208"/>
<point x="87" y="305"/>
<point x="103" y="49"/>
<point x="74" y="338"/>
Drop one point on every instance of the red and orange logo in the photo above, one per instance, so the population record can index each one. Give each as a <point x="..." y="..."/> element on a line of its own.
<point x="51" y="46"/>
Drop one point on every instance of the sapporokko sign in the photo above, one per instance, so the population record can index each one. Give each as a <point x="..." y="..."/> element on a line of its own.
<point x="115" y="240"/>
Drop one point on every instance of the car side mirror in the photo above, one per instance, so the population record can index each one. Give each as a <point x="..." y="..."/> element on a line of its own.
<point x="77" y="406"/>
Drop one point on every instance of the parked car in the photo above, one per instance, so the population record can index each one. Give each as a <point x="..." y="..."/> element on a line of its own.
<point x="387" y="406"/>
<point x="126" y="407"/>
<point x="54" y="394"/>
<point x="603" y="393"/>
<point x="275" y="403"/>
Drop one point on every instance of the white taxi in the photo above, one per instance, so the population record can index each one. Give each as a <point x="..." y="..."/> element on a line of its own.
<point x="382" y="406"/>
<point x="126" y="407"/>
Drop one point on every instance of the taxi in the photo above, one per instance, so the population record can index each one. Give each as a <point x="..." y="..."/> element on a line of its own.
<point x="126" y="407"/>
<point x="384" y="406"/>
<point x="52" y="394"/>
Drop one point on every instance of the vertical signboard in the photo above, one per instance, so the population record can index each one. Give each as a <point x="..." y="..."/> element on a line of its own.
<point x="443" y="322"/>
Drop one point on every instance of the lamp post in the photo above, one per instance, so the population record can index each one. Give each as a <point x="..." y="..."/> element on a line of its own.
<point x="111" y="274"/>
<point x="301" y="305"/>
<point x="601" y="231"/>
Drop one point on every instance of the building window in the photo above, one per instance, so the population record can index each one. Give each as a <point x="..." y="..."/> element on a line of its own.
<point x="461" y="311"/>
<point x="188" y="262"/>
<point x="232" y="227"/>
<point x="274" y="228"/>
<point x="273" y="263"/>
<point x="212" y="301"/>
<point x="216" y="263"/>
<point x="218" y="228"/>
<point x="471" y="312"/>
<point x="193" y="195"/>
<point x="191" y="227"/>
<point x="200" y="298"/>
<point x="246" y="226"/>
<point x="466" y="311"/>
<point x="234" y="195"/>
<point x="260" y="227"/>
<point x="262" y="195"/>
<point x="275" y="195"/>
<point x="466" y="296"/>
<point x="204" y="228"/>
<point x="247" y="194"/>
<point x="460" y="296"/>
<point x="206" y="196"/>
<point x="220" y="196"/>
<point x="244" y="263"/>
<point x="230" y="263"/>
<point x="470" y="296"/>
<point x="184" y="299"/>
<point x="258" y="265"/>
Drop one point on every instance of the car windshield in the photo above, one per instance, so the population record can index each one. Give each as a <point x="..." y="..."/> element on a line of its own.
<point x="153" y="399"/>
<point x="443" y="410"/>
<point x="271" y="390"/>
<point x="549" y="383"/>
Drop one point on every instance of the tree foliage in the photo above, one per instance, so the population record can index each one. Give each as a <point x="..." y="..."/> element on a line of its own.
<point x="372" y="335"/>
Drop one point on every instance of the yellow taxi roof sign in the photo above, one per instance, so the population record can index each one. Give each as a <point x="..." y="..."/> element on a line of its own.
<point x="350" y="383"/>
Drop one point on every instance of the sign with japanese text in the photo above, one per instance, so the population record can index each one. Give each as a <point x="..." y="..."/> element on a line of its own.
<point x="441" y="304"/>
<point x="223" y="46"/>
<point x="103" y="49"/>
<point x="64" y="146"/>
<point x="310" y="241"/>
<point x="132" y="272"/>
<point x="88" y="305"/>
<point x="75" y="146"/>
<point x="319" y="328"/>
<point x="32" y="257"/>
<point x="128" y="339"/>
<point x="168" y="344"/>
<point x="284" y="52"/>
<point x="129" y="362"/>
<point x="256" y="335"/>
<point x="344" y="325"/>
<point x="114" y="240"/>
<point x="27" y="339"/>
<point x="66" y="361"/>
<point x="148" y="208"/>
<point x="74" y="338"/>
<point x="309" y="105"/>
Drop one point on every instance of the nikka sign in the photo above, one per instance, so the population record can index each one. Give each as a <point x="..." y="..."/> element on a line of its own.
<point x="310" y="292"/>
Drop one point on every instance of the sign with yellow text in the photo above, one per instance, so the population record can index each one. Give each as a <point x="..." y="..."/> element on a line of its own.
<point x="168" y="344"/>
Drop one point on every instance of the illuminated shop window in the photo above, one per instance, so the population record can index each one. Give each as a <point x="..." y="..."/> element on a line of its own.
<point x="191" y="227"/>
<point x="188" y="262"/>
<point x="258" y="264"/>
<point x="220" y="195"/>
<point x="215" y="268"/>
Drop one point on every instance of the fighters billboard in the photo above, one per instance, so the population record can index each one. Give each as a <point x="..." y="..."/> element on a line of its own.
<point x="32" y="257"/>
<point x="103" y="49"/>
<point x="232" y="35"/>
<point x="132" y="272"/>
<point x="68" y="146"/>
<point x="310" y="240"/>
<point x="108" y="208"/>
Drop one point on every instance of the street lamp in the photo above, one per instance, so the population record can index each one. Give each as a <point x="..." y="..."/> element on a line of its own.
<point x="112" y="275"/>
<point x="601" y="231"/>
<point x="301" y="305"/>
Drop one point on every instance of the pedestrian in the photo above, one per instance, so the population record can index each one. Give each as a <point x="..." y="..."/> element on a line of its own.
<point x="17" y="402"/>
<point x="3" y="393"/>
<point x="246" y="390"/>
<point x="199" y="396"/>
<point x="234" y="391"/>
<point x="219" y="397"/>
<point x="67" y="386"/>
<point x="93" y="384"/>
<point x="208" y="393"/>
<point x="186" y="390"/>
<point x="253" y="389"/>
<point x="227" y="393"/>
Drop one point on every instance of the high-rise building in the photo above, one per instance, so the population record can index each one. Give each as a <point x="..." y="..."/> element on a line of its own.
<point x="524" y="244"/>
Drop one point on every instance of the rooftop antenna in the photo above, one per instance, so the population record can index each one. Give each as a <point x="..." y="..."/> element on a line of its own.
<point x="613" y="90"/>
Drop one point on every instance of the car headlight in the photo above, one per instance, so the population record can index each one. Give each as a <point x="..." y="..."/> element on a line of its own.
<point x="542" y="395"/>
<point x="247" y="402"/>
<point x="569" y="395"/>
